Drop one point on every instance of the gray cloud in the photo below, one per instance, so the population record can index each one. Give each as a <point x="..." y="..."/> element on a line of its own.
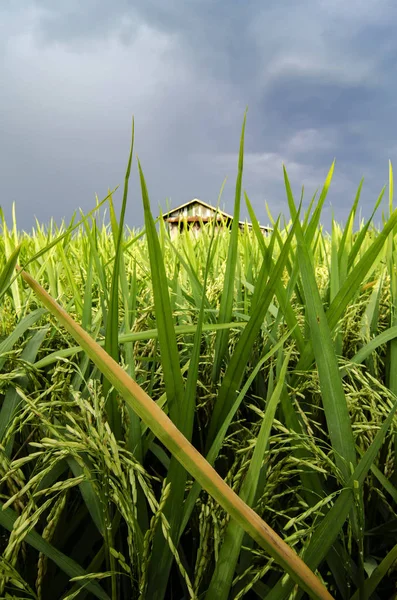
<point x="318" y="77"/>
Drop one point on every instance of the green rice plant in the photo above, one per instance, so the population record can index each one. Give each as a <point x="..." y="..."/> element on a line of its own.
<point x="291" y="411"/>
<point x="186" y="454"/>
<point x="222" y="578"/>
<point x="225" y="308"/>
<point x="8" y="271"/>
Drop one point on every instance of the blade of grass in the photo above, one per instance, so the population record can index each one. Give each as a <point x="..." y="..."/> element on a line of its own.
<point x="194" y="363"/>
<point x="363" y="232"/>
<point x="149" y="334"/>
<point x="353" y="281"/>
<point x="370" y="347"/>
<point x="182" y="449"/>
<point x="6" y="274"/>
<point x="13" y="286"/>
<point x="378" y="574"/>
<point x="11" y="397"/>
<point x="7" y="344"/>
<point x="333" y="396"/>
<point x="350" y="287"/>
<point x="287" y="309"/>
<point x="330" y="527"/>
<point x="112" y="323"/>
<point x="181" y="407"/>
<point x="313" y="224"/>
<point x="221" y="581"/>
<point x="347" y="236"/>
<point x="217" y="444"/>
<point x="68" y="566"/>
<point x="263" y="295"/>
<point x="391" y="263"/>
<point x="56" y="240"/>
<point x="226" y="305"/>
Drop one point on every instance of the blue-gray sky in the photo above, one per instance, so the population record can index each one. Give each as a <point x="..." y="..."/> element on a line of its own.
<point x="318" y="77"/>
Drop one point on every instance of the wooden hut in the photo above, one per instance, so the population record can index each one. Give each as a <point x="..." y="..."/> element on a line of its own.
<point x="195" y="213"/>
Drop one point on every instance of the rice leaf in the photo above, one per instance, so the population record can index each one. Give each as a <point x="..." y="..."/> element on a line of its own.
<point x="350" y="286"/>
<point x="8" y="270"/>
<point x="217" y="443"/>
<point x="226" y="305"/>
<point x="363" y="232"/>
<point x="66" y="564"/>
<point x="181" y="407"/>
<point x="27" y="322"/>
<point x="333" y="396"/>
<point x="11" y="398"/>
<point x="149" y="334"/>
<point x="235" y="370"/>
<point x="112" y="324"/>
<point x="330" y="527"/>
<point x="378" y="574"/>
<point x="185" y="453"/>
<point x="222" y="578"/>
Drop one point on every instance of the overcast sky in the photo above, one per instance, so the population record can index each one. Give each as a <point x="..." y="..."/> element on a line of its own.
<point x="318" y="77"/>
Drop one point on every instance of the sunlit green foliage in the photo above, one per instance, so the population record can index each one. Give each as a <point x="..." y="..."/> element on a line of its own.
<point x="287" y="386"/>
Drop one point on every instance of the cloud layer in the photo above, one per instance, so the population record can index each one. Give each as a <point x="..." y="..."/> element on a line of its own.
<point x="318" y="78"/>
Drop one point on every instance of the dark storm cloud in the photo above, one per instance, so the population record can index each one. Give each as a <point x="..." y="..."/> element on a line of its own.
<point x="318" y="77"/>
<point x="73" y="21"/>
<point x="212" y="33"/>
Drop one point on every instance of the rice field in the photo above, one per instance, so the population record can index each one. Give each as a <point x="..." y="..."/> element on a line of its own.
<point x="211" y="417"/>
